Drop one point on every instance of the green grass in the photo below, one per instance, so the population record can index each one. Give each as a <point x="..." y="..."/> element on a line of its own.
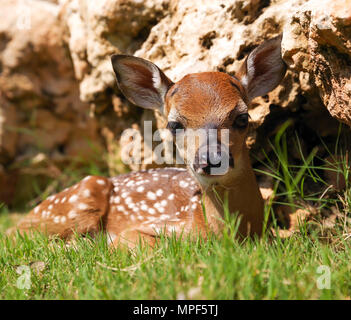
<point x="218" y="269"/>
<point x="221" y="268"/>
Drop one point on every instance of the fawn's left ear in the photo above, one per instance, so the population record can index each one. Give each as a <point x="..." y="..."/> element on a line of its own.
<point x="263" y="69"/>
<point x="141" y="81"/>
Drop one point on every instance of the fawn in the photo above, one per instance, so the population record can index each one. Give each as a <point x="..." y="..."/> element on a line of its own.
<point x="139" y="205"/>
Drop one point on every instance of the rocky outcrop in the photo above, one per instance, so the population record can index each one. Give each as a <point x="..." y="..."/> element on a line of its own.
<point x="317" y="45"/>
<point x="41" y="113"/>
<point x="58" y="97"/>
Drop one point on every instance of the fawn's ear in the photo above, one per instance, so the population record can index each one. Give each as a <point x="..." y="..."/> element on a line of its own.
<point x="141" y="81"/>
<point x="263" y="69"/>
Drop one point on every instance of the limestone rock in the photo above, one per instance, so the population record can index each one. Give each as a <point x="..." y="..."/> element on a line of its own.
<point x="98" y="29"/>
<point x="317" y="44"/>
<point x="40" y="108"/>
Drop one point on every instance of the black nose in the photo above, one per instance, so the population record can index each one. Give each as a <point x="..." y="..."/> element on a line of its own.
<point x="213" y="161"/>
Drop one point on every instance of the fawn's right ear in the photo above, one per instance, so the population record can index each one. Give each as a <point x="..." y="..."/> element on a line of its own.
<point x="141" y="81"/>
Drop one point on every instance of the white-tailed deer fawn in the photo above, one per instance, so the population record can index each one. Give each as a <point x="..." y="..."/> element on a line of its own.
<point x="144" y="203"/>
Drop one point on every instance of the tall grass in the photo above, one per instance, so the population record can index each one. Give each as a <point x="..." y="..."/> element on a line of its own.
<point x="303" y="185"/>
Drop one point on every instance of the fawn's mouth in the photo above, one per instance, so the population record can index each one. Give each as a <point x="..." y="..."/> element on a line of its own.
<point x="214" y="170"/>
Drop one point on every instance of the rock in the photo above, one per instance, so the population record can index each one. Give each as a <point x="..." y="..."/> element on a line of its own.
<point x="8" y="179"/>
<point x="317" y="44"/>
<point x="8" y="134"/>
<point x="98" y="29"/>
<point x="47" y="132"/>
<point x="292" y="218"/>
<point x="40" y="107"/>
<point x="266" y="185"/>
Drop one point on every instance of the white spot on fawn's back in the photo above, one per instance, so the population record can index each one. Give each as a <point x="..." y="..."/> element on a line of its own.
<point x="100" y="182"/>
<point x="130" y="183"/>
<point x="86" y="193"/>
<point x="160" y="209"/>
<point x="151" y="195"/>
<point x="82" y="206"/>
<point x="183" y="184"/>
<point x="73" y="198"/>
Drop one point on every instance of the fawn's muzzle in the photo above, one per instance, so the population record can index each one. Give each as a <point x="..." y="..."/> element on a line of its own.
<point x="213" y="160"/>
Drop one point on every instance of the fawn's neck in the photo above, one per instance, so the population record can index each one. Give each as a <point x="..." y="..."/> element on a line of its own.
<point x="243" y="197"/>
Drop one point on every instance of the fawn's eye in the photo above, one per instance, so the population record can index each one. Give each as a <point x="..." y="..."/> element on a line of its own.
<point x="241" y="121"/>
<point x="174" y="125"/>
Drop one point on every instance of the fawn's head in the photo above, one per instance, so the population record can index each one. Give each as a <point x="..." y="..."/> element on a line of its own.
<point x="211" y="103"/>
